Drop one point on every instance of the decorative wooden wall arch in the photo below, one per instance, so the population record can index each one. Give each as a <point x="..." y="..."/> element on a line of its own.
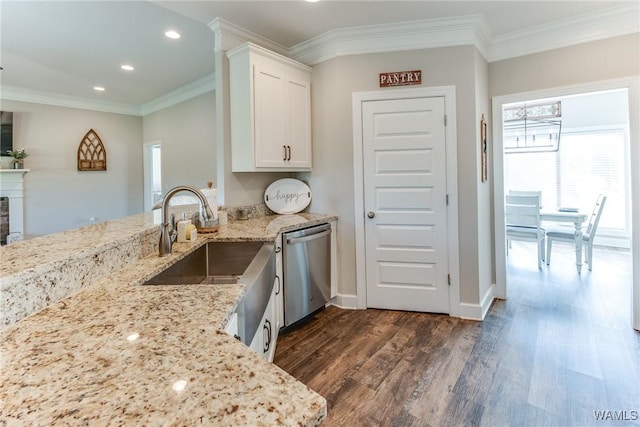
<point x="92" y="155"/>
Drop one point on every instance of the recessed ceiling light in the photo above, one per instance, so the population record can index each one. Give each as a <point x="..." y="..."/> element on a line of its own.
<point x="98" y="88"/>
<point x="127" y="67"/>
<point x="172" y="34"/>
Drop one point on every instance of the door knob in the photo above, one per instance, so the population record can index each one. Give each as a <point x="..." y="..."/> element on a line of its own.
<point x="371" y="214"/>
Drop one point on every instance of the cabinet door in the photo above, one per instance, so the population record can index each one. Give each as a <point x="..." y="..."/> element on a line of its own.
<point x="268" y="341"/>
<point x="270" y="329"/>
<point x="298" y="93"/>
<point x="270" y="116"/>
<point x="264" y="341"/>
<point x="279" y="284"/>
<point x="276" y="330"/>
<point x="270" y="107"/>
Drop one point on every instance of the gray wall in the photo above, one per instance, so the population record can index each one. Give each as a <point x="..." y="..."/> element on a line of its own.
<point x="59" y="197"/>
<point x="333" y="83"/>
<point x="187" y="133"/>
<point x="589" y="62"/>
<point x="486" y="262"/>
<point x="476" y="81"/>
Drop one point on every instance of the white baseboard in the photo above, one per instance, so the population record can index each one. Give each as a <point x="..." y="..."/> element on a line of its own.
<point x="345" y="301"/>
<point x="487" y="300"/>
<point x="477" y="311"/>
<point x="465" y="311"/>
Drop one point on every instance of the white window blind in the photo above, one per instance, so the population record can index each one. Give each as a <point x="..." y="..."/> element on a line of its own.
<point x="587" y="163"/>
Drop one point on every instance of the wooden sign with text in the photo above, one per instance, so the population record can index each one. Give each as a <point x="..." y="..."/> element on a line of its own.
<point x="401" y="78"/>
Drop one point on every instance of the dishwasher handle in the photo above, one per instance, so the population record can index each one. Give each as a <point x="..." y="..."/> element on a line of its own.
<point x="293" y="240"/>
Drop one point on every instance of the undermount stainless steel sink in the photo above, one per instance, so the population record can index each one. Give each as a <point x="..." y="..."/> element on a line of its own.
<point x="213" y="263"/>
<point x="250" y="263"/>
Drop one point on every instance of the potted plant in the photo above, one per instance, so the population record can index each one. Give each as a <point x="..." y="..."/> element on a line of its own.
<point x="18" y="157"/>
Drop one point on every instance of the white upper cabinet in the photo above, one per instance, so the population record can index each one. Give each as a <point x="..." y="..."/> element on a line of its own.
<point x="270" y="99"/>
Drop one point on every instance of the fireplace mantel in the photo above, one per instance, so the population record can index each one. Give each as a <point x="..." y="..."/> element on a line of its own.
<point x="12" y="186"/>
<point x="13" y="171"/>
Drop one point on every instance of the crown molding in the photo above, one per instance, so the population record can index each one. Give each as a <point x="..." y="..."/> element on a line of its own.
<point x="399" y="36"/>
<point x="197" y="87"/>
<point x="469" y="30"/>
<point x="13" y="93"/>
<point x="412" y="35"/>
<point x="229" y="36"/>
<point x="613" y="22"/>
<point x="188" y="91"/>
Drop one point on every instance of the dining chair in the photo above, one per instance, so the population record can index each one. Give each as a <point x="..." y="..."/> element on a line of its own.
<point x="588" y="235"/>
<point x="522" y="215"/>
<point x="525" y="193"/>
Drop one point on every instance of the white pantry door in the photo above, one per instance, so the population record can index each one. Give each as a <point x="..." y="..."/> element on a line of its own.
<point x="405" y="204"/>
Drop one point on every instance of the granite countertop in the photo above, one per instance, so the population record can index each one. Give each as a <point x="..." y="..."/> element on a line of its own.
<point x="37" y="272"/>
<point x="34" y="253"/>
<point x="119" y="353"/>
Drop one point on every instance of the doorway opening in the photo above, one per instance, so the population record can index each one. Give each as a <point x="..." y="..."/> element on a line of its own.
<point x="152" y="159"/>
<point x="592" y="158"/>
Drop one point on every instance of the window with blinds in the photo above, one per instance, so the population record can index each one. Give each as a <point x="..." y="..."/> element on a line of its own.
<point x="586" y="164"/>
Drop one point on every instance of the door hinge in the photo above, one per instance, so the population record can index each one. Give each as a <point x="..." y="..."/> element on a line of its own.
<point x="447" y="200"/>
<point x="449" y="279"/>
<point x="445" y="120"/>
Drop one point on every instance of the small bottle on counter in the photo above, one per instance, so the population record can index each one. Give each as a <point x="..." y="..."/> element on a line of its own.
<point x="182" y="230"/>
<point x="223" y="218"/>
<point x="192" y="233"/>
<point x="243" y="214"/>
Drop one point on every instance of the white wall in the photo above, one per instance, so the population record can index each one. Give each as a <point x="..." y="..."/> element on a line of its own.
<point x="187" y="132"/>
<point x="59" y="197"/>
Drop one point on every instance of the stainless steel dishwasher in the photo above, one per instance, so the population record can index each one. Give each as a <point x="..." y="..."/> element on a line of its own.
<point x="307" y="271"/>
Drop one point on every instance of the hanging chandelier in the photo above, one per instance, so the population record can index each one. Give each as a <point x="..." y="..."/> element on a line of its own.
<point x="532" y="128"/>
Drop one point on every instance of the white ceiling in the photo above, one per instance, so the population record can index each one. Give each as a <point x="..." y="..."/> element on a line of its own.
<point x="65" y="48"/>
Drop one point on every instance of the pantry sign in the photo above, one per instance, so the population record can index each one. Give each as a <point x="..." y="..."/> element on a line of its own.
<point x="401" y="78"/>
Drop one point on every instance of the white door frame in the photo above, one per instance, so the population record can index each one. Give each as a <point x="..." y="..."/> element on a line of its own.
<point x="449" y="94"/>
<point x="632" y="84"/>
<point x="147" y="169"/>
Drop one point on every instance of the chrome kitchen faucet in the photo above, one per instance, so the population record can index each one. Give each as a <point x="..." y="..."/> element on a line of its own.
<point x="168" y="237"/>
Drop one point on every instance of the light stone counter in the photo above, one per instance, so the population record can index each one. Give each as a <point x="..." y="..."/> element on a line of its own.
<point x="115" y="353"/>
<point x="40" y="271"/>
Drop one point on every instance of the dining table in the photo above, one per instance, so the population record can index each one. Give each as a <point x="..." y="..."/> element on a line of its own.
<point x="571" y="216"/>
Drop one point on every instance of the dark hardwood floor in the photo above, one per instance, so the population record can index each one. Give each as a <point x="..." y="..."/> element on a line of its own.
<point x="558" y="349"/>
